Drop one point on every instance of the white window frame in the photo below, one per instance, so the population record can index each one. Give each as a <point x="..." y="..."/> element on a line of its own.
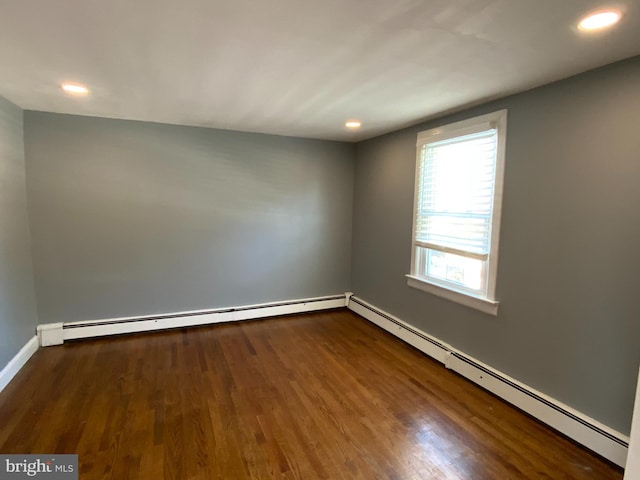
<point x="429" y="284"/>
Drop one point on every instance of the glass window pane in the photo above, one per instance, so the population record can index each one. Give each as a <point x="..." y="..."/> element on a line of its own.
<point x="463" y="271"/>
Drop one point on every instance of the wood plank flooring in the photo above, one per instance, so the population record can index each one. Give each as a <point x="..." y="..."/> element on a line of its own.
<point x="318" y="396"/>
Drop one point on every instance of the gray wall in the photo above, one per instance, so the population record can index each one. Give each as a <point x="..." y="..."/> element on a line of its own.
<point x="133" y="218"/>
<point x="18" y="315"/>
<point x="569" y="272"/>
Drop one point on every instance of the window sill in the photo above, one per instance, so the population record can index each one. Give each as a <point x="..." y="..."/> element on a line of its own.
<point x="483" y="304"/>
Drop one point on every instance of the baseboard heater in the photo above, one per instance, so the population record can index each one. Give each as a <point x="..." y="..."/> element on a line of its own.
<point x="56" y="333"/>
<point x="579" y="427"/>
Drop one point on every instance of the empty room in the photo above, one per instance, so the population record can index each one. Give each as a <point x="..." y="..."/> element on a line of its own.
<point x="319" y="240"/>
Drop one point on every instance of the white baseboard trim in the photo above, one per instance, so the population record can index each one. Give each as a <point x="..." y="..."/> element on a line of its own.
<point x="57" y="333"/>
<point x="583" y="429"/>
<point x="17" y="362"/>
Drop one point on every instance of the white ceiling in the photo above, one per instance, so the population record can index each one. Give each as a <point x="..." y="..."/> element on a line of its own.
<point x="295" y="67"/>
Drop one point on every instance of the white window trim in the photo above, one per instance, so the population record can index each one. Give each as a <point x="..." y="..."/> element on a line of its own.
<point x="468" y="300"/>
<point x="487" y="304"/>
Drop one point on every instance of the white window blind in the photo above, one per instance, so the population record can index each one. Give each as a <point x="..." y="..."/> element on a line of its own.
<point x="455" y="194"/>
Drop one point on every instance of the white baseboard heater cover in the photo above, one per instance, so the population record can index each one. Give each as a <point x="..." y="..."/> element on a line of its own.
<point x="584" y="430"/>
<point x="57" y="333"/>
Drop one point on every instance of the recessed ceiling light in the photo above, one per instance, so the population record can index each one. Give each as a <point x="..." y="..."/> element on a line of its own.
<point x="75" y="89"/>
<point x="353" y="124"/>
<point x="599" y="20"/>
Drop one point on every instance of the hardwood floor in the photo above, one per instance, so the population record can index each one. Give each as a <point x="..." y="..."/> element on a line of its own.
<point x="324" y="395"/>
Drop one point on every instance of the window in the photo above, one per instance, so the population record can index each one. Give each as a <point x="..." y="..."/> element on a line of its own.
<point x="458" y="196"/>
